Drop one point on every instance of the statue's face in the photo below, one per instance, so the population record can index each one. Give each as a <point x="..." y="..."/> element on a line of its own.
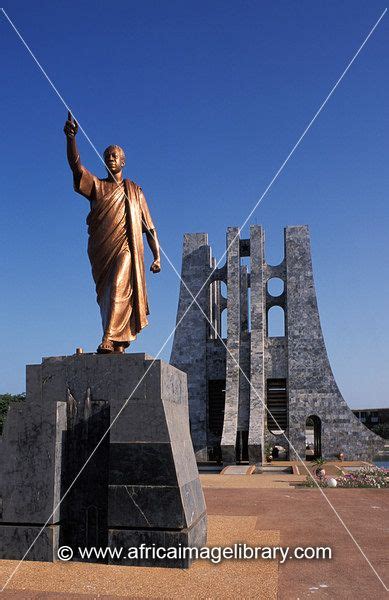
<point x="114" y="160"/>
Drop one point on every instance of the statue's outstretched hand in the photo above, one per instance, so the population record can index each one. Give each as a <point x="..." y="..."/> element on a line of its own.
<point x="71" y="126"/>
<point x="156" y="266"/>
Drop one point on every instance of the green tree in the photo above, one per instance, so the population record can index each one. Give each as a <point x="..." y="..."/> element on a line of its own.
<point x="5" y="401"/>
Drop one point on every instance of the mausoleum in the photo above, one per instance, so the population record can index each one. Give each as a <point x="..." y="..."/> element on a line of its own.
<point x="246" y="387"/>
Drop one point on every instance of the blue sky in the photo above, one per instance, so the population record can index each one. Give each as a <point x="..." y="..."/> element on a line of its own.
<point x="207" y="99"/>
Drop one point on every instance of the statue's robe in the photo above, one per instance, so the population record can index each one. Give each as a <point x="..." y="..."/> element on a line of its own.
<point x="118" y="217"/>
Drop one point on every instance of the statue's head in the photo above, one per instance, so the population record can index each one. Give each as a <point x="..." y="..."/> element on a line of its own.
<point x="114" y="159"/>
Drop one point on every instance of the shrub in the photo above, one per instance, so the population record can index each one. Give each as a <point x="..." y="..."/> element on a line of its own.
<point x="311" y="481"/>
<point x="366" y="477"/>
<point x="5" y="401"/>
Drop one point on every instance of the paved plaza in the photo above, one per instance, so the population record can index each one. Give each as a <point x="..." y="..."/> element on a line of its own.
<point x="258" y="510"/>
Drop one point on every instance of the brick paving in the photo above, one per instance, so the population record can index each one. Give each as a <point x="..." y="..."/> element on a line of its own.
<point x="303" y="518"/>
<point x="259" y="510"/>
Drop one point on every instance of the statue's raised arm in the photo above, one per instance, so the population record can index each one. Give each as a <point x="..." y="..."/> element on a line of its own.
<point x="70" y="130"/>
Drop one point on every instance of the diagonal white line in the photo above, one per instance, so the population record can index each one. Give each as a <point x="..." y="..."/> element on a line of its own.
<point x="81" y="128"/>
<point x="292" y="446"/>
<point x="155" y="358"/>
<point x="85" y="464"/>
<point x="292" y="152"/>
<point x="194" y="299"/>
<point x="273" y="179"/>
<point x="295" y="451"/>
<point x="311" y="122"/>
<point x="48" y="78"/>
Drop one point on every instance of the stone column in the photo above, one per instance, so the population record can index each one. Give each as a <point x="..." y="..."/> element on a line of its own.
<point x="233" y="346"/>
<point x="189" y="351"/>
<point x="244" y="361"/>
<point x="258" y="326"/>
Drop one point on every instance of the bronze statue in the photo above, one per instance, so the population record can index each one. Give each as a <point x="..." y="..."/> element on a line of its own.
<point x="118" y="217"/>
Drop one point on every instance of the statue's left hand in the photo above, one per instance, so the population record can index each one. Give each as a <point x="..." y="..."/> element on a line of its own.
<point x="156" y="266"/>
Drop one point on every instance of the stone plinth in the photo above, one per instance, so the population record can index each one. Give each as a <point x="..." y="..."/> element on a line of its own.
<point x="140" y="485"/>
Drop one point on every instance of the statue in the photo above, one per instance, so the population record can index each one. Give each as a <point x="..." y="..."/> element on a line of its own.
<point x="118" y="217"/>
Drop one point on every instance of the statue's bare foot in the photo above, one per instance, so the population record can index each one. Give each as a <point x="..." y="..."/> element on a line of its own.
<point x="119" y="348"/>
<point x="106" y="347"/>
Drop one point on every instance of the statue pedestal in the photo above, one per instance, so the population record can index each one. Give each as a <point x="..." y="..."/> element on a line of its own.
<point x="140" y="484"/>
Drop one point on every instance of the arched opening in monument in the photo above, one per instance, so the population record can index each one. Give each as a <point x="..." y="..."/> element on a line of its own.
<point x="275" y="286"/>
<point x="313" y="437"/>
<point x="275" y="322"/>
